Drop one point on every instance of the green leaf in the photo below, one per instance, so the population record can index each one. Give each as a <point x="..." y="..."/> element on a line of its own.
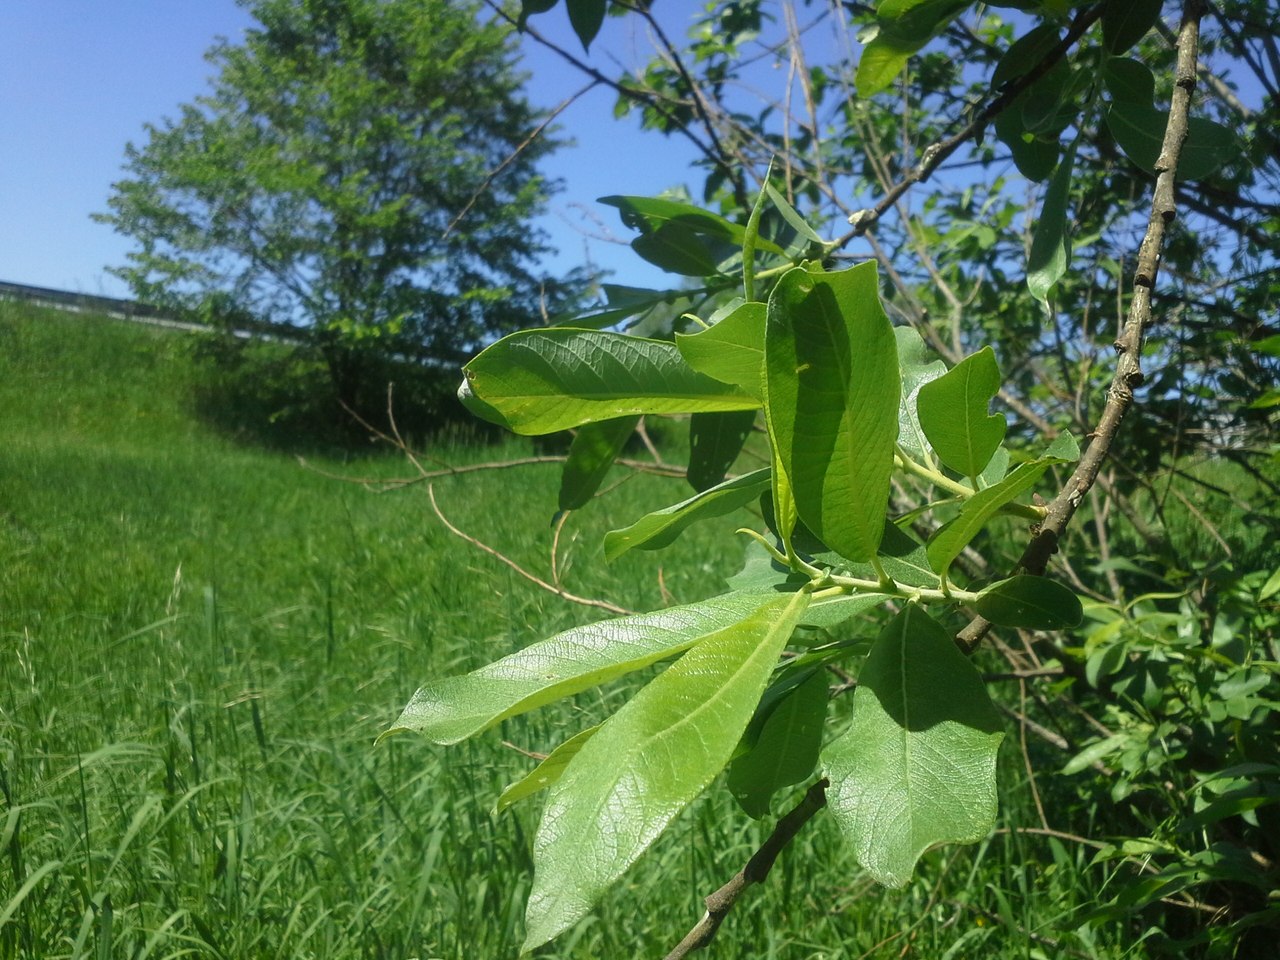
<point x="657" y="529"/>
<point x="647" y="762"/>
<point x="1125" y="22"/>
<point x="1051" y="241"/>
<point x="1035" y="158"/>
<point x="946" y="544"/>
<point x="903" y="27"/>
<point x="1024" y="54"/>
<point x="454" y="708"/>
<point x="676" y="249"/>
<point x="530" y="7"/>
<point x="832" y="613"/>
<point x="1130" y="81"/>
<point x="1139" y="130"/>
<point x="832" y="394"/>
<point x="917" y="765"/>
<point x="1033" y="603"/>
<point x="916" y="369"/>
<point x="591" y="455"/>
<point x="648" y="214"/>
<point x="731" y="350"/>
<point x="544" y="774"/>
<point x="792" y="217"/>
<point x="586" y="17"/>
<point x="954" y="415"/>
<point x="715" y="440"/>
<point x="544" y="380"/>
<point x="786" y="750"/>
<point x="1064" y="448"/>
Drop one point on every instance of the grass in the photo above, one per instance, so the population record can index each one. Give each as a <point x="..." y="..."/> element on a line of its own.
<point x="200" y="640"/>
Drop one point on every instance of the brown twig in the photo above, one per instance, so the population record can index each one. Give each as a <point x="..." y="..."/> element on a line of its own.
<point x="533" y="578"/>
<point x="1128" y="375"/>
<point x="757" y="869"/>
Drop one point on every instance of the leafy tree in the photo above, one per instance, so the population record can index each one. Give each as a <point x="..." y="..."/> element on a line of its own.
<point x="1066" y="212"/>
<point x="361" y="176"/>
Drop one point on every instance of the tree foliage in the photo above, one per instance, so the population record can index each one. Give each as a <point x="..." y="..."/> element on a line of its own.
<point x="361" y="175"/>
<point x="1015" y="205"/>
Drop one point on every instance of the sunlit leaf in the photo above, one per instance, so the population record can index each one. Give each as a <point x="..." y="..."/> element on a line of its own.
<point x="545" y="773"/>
<point x="917" y="766"/>
<point x="916" y="367"/>
<point x="1051" y="240"/>
<point x="832" y="396"/>
<point x="540" y="381"/>
<point x="731" y="350"/>
<point x="657" y="529"/>
<point x="954" y="414"/>
<point x="904" y="26"/>
<point x="454" y="708"/>
<point x="647" y="762"/>
<point x="591" y="455"/>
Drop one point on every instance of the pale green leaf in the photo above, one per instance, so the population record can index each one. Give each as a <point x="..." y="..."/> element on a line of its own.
<point x="903" y="27"/>
<point x="591" y="455"/>
<point x="832" y="396"/>
<point x="916" y="366"/>
<point x="1051" y="240"/>
<point x="731" y="350"/>
<point x="555" y="378"/>
<point x="1029" y="602"/>
<point x="454" y="708"/>
<point x="953" y="411"/>
<point x="545" y="773"/>
<point x="646" y="764"/>
<point x="657" y="529"/>
<point x="917" y="767"/>
<point x="786" y="750"/>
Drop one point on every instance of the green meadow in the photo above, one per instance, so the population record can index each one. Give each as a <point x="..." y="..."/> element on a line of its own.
<point x="202" y="637"/>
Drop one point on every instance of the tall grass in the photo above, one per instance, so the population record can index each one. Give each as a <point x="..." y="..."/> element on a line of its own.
<point x="200" y="640"/>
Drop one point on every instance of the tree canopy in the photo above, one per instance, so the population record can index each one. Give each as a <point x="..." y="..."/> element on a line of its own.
<point x="363" y="171"/>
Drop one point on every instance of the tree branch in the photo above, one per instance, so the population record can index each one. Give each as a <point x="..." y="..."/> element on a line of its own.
<point x="1128" y="375"/>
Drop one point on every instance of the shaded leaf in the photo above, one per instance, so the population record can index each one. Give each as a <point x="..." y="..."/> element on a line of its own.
<point x="1034" y="157"/>
<point x="648" y="214"/>
<point x="591" y="455"/>
<point x="1130" y="81"/>
<point x="917" y="765"/>
<point x="586" y="17"/>
<point x="1051" y="241"/>
<point x="454" y="708"/>
<point x="1139" y="130"/>
<point x="646" y="763"/>
<point x="677" y="249"/>
<point x="731" y="350"/>
<point x="954" y="413"/>
<point x="657" y="529"/>
<point x="544" y="774"/>
<point x="786" y="749"/>
<point x="541" y="381"/>
<point x="832" y="394"/>
<point x="916" y="367"/>
<point x="1030" y="602"/>
<point x="715" y="440"/>
<point x="530" y="7"/>
<point x="1125" y="22"/>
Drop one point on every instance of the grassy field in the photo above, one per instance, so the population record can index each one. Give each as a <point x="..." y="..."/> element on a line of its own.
<point x="200" y="640"/>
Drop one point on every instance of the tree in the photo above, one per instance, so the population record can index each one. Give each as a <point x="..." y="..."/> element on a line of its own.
<point x="1068" y="175"/>
<point x="362" y="175"/>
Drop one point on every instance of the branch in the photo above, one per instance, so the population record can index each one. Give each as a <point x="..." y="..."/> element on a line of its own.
<point x="757" y="869"/>
<point x="1128" y="375"/>
<point x="935" y="154"/>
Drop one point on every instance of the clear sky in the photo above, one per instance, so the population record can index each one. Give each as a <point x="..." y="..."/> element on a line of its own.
<point x="78" y="79"/>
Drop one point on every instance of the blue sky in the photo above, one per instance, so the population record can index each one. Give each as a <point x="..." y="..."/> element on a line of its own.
<point x="79" y="79"/>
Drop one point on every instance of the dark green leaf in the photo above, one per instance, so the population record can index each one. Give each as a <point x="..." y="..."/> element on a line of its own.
<point x="1139" y="130"/>
<point x="1051" y="240"/>
<point x="1034" y="157"/>
<point x="591" y="455"/>
<point x="917" y="766"/>
<point x="954" y="414"/>
<point x="544" y="774"/>
<point x="786" y="750"/>
<point x="677" y="249"/>
<point x="454" y="708"/>
<point x="530" y="7"/>
<point x="1130" y="81"/>
<point x="586" y="16"/>
<point x="1125" y="22"/>
<point x="1033" y="603"/>
<point x="832" y="395"/>
<point x="648" y="214"/>
<point x="731" y="350"/>
<point x="647" y="762"/>
<point x="657" y="529"/>
<point x="541" y="381"/>
<point x="715" y="440"/>
<point x="1025" y="53"/>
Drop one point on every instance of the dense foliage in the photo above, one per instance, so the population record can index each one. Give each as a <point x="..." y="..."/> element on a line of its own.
<point x="361" y="177"/>
<point x="1054" y="234"/>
